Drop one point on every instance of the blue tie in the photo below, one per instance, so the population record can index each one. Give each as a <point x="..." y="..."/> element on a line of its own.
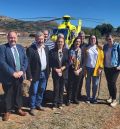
<point x="17" y="60"/>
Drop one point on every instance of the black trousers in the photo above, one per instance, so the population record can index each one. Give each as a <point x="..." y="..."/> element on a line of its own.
<point x="111" y="77"/>
<point x="73" y="85"/>
<point x="80" y="86"/>
<point x="58" y="84"/>
<point x="13" y="95"/>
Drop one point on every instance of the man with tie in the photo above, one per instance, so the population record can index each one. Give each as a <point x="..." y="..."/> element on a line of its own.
<point x="13" y="64"/>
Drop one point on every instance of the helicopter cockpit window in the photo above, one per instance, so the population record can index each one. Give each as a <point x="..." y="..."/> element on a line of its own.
<point x="72" y="35"/>
<point x="63" y="31"/>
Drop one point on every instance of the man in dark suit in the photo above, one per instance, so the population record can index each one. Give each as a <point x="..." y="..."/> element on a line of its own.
<point x="13" y="64"/>
<point x="38" y="71"/>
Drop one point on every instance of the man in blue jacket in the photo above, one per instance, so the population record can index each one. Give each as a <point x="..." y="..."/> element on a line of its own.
<point x="13" y="64"/>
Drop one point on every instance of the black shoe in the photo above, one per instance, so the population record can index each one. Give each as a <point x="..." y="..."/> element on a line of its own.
<point x="32" y="112"/>
<point x="68" y="103"/>
<point x="60" y="106"/>
<point x="40" y="108"/>
<point x="55" y="106"/>
<point x="88" y="100"/>
<point x="76" y="102"/>
<point x="94" y="101"/>
<point x="6" y="116"/>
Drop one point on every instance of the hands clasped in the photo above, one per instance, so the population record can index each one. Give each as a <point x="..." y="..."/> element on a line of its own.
<point x="17" y="74"/>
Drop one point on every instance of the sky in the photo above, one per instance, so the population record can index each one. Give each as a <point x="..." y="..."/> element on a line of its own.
<point x="105" y="11"/>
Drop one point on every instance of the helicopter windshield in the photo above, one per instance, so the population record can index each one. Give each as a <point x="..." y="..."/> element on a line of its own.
<point x="63" y="31"/>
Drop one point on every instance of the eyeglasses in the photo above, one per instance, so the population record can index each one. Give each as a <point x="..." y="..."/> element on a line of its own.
<point x="78" y="41"/>
<point x="93" y="38"/>
<point x="60" y="41"/>
<point x="109" y="39"/>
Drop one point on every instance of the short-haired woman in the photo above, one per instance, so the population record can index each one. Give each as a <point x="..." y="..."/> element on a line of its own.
<point x="59" y="64"/>
<point x="112" y="67"/>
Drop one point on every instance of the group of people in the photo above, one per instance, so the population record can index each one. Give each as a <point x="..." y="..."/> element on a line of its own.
<point x="68" y="67"/>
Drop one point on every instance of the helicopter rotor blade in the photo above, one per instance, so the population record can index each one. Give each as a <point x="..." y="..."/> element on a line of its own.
<point x="46" y="20"/>
<point x="92" y="19"/>
<point x="51" y="20"/>
<point x="36" y="18"/>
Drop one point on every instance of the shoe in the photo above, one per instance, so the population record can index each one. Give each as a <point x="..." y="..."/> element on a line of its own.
<point x="94" y="101"/>
<point x="68" y="103"/>
<point x="21" y="112"/>
<point x="60" y="107"/>
<point x="114" y="103"/>
<point x="32" y="112"/>
<point x="80" y="96"/>
<point x="40" y="108"/>
<point x="88" y="100"/>
<point x="6" y="116"/>
<point x="55" y="106"/>
<point x="109" y="100"/>
<point x="76" y="101"/>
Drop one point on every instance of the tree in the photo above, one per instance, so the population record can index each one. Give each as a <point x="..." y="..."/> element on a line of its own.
<point x="118" y="30"/>
<point x="104" y="28"/>
<point x="96" y="32"/>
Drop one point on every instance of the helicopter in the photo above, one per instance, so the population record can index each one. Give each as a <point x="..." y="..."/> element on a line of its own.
<point x="69" y="30"/>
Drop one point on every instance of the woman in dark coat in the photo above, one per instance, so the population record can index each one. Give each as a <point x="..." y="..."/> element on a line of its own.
<point x="75" y="71"/>
<point x="59" y="64"/>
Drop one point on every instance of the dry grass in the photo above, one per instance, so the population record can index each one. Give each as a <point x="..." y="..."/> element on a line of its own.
<point x="25" y="41"/>
<point x="82" y="116"/>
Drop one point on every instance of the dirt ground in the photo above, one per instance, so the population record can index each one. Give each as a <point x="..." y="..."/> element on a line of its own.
<point x="82" y="116"/>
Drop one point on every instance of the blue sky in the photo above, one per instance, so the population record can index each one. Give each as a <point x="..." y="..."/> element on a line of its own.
<point x="106" y="10"/>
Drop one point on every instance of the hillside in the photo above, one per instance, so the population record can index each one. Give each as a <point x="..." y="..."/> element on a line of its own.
<point x="7" y="23"/>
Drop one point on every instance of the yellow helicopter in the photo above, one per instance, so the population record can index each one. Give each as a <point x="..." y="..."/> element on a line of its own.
<point x="69" y="30"/>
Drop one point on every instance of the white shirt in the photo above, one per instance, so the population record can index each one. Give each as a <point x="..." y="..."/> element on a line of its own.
<point x="60" y="56"/>
<point x="92" y="55"/>
<point x="42" y="56"/>
<point x="108" y="58"/>
<point x="12" y="49"/>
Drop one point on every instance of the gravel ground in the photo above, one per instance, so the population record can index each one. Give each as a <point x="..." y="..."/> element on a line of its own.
<point x="82" y="116"/>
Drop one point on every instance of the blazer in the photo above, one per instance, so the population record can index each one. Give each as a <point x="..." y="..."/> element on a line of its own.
<point x="54" y="62"/>
<point x="34" y="63"/>
<point x="7" y="63"/>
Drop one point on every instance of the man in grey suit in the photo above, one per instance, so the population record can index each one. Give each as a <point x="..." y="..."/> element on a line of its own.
<point x="13" y="64"/>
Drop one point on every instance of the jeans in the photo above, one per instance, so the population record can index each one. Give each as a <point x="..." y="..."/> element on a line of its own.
<point x="37" y="89"/>
<point x="95" y="83"/>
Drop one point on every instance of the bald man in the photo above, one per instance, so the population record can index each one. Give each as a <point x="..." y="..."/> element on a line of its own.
<point x="13" y="64"/>
<point x="50" y="44"/>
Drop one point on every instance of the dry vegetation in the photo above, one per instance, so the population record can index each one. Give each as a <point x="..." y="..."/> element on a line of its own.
<point x="25" y="41"/>
<point x="82" y="116"/>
